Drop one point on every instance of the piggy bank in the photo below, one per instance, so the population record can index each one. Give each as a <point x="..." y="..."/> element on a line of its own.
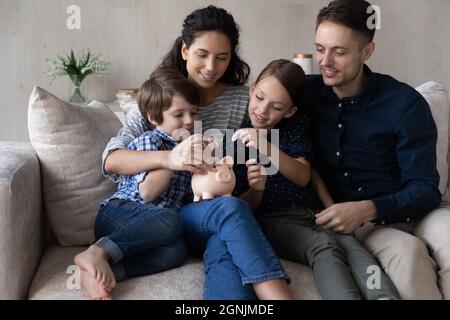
<point x="215" y="183"/>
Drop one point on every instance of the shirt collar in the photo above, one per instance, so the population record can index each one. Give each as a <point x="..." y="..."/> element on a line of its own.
<point x="163" y="136"/>
<point x="362" y="99"/>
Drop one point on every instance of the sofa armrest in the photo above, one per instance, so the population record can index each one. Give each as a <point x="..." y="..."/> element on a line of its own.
<point x="20" y="218"/>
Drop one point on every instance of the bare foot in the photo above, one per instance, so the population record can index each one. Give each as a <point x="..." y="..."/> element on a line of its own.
<point x="91" y="285"/>
<point x="94" y="261"/>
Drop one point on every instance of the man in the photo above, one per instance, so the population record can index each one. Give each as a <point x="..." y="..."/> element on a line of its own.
<point x="375" y="144"/>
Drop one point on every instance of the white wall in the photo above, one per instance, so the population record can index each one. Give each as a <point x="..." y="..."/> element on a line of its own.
<point x="413" y="44"/>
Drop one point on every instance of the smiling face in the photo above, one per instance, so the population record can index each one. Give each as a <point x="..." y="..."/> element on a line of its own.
<point x="269" y="103"/>
<point x="341" y="54"/>
<point x="180" y="115"/>
<point x="207" y="58"/>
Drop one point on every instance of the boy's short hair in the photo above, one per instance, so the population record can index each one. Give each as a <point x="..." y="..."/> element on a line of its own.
<point x="350" y="13"/>
<point x="156" y="93"/>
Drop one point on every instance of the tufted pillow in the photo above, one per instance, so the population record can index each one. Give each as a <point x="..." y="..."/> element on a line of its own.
<point x="69" y="140"/>
<point x="438" y="99"/>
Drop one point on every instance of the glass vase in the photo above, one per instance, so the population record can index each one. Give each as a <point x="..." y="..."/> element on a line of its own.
<point x="77" y="96"/>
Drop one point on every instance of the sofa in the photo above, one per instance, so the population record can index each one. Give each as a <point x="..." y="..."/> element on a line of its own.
<point x="50" y="189"/>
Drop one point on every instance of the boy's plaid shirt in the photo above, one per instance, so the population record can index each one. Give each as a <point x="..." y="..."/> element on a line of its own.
<point x="177" y="193"/>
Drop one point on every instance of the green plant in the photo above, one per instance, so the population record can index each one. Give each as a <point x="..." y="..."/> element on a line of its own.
<point x="76" y="69"/>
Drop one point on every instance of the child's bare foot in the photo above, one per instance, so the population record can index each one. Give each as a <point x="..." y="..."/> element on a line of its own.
<point x="95" y="262"/>
<point x="91" y="285"/>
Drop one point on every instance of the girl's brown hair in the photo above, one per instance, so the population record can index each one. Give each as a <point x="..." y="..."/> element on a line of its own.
<point x="290" y="75"/>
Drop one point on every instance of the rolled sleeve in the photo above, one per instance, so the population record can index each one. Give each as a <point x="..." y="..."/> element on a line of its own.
<point x="135" y="125"/>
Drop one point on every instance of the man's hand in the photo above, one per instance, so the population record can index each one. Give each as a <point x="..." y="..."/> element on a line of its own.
<point x="255" y="175"/>
<point x="346" y="217"/>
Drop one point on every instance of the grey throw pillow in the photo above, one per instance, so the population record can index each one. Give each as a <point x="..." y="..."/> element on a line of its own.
<point x="437" y="97"/>
<point x="69" y="140"/>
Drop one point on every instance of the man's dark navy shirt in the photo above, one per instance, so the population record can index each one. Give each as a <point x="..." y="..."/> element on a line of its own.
<point x="378" y="145"/>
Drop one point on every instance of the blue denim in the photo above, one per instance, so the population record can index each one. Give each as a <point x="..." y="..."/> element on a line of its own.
<point x="234" y="224"/>
<point x="222" y="277"/>
<point x="140" y="239"/>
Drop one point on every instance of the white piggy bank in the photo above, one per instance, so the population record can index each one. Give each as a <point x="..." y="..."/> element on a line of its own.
<point x="220" y="182"/>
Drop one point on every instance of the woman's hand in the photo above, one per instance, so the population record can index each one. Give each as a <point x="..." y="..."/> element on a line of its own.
<point x="256" y="175"/>
<point x="188" y="155"/>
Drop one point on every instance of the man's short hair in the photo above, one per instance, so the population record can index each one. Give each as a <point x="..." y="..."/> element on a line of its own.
<point x="156" y="93"/>
<point x="350" y="13"/>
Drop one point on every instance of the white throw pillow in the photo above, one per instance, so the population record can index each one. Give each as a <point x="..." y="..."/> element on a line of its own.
<point x="438" y="99"/>
<point x="69" y="140"/>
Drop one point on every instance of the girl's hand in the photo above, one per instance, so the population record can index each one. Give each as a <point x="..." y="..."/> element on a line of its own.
<point x="248" y="136"/>
<point x="256" y="175"/>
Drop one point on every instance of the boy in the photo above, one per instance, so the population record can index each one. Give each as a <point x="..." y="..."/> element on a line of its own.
<point x="138" y="229"/>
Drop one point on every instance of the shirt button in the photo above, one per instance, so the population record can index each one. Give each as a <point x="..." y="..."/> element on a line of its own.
<point x="340" y="105"/>
<point x="338" y="153"/>
<point x="408" y="219"/>
<point x="383" y="222"/>
<point x="340" y="125"/>
<point x="352" y="102"/>
<point x="345" y="174"/>
<point x="360" y="189"/>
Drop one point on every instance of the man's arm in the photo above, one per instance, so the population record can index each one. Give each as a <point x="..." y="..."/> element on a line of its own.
<point x="416" y="153"/>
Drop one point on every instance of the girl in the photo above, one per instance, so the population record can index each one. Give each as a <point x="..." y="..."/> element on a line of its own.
<point x="286" y="202"/>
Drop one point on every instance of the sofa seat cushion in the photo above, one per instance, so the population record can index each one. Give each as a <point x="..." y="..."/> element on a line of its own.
<point x="55" y="279"/>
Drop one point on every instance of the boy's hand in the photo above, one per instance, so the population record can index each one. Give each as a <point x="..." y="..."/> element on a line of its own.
<point x="256" y="175"/>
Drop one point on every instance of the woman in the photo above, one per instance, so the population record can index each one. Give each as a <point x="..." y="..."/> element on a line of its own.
<point x="206" y="53"/>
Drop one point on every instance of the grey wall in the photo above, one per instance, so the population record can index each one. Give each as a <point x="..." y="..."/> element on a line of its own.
<point x="413" y="44"/>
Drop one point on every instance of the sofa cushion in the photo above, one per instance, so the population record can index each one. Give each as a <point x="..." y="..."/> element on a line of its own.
<point x="438" y="99"/>
<point x="56" y="279"/>
<point x="69" y="140"/>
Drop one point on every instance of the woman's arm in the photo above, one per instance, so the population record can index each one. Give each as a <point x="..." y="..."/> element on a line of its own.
<point x="182" y="157"/>
<point x="154" y="184"/>
<point x="321" y="189"/>
<point x="130" y="162"/>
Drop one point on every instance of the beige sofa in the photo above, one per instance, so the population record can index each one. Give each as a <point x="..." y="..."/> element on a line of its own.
<point x="50" y="190"/>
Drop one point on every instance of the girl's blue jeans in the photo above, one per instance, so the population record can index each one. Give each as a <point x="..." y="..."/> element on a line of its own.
<point x="236" y="252"/>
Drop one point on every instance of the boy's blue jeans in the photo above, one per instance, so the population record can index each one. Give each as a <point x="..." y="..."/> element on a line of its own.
<point x="236" y="252"/>
<point x="140" y="239"/>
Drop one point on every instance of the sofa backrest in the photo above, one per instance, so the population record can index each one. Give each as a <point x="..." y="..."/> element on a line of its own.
<point x="69" y="140"/>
